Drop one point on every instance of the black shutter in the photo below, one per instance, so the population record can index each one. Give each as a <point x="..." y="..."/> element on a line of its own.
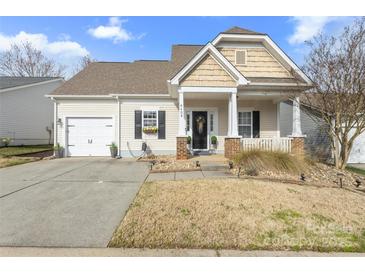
<point x="138" y="124"/>
<point x="161" y="124"/>
<point x="256" y="124"/>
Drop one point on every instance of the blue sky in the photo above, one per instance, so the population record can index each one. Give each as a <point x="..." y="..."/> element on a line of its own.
<point x="66" y="39"/>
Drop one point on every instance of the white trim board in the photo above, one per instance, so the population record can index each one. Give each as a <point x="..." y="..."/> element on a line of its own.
<point x="207" y="90"/>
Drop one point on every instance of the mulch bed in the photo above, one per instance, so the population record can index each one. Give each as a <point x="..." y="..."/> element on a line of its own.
<point x="39" y="154"/>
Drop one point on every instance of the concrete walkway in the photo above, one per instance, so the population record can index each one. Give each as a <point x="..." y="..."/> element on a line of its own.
<point x="208" y="170"/>
<point x="173" y="176"/>
<point x="136" y="252"/>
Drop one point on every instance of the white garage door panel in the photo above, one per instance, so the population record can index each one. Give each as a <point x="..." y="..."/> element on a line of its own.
<point x="357" y="154"/>
<point x="90" y="136"/>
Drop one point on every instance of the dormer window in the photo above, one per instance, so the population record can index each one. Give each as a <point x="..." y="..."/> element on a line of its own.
<point x="241" y="57"/>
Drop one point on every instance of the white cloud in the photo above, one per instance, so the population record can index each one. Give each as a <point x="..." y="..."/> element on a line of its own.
<point x="40" y="42"/>
<point x="308" y="26"/>
<point x="114" y="30"/>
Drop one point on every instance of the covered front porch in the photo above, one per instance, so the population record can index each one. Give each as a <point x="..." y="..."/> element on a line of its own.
<point x="227" y="120"/>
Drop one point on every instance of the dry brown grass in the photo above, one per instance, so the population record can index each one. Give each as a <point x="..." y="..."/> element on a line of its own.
<point x="258" y="161"/>
<point x="12" y="161"/>
<point x="243" y="214"/>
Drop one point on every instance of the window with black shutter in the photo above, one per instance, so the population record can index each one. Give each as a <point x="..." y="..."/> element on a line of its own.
<point x="256" y="124"/>
<point x="161" y="124"/>
<point x="138" y="124"/>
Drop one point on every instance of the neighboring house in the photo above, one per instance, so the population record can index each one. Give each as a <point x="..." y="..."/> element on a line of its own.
<point x="25" y="112"/>
<point x="317" y="141"/>
<point x="230" y="88"/>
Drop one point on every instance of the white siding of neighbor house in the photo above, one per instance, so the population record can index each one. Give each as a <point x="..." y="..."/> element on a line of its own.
<point x="316" y="142"/>
<point x="26" y="112"/>
<point x="132" y="147"/>
<point x="84" y="108"/>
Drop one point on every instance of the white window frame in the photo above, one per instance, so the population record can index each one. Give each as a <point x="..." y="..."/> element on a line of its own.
<point x="149" y="136"/>
<point x="238" y="124"/>
<point x="235" y="57"/>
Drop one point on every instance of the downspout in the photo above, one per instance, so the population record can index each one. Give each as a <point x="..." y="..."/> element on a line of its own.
<point x="119" y="125"/>
<point x="55" y="118"/>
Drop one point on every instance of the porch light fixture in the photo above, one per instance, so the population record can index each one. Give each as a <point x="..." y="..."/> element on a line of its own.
<point x="59" y="122"/>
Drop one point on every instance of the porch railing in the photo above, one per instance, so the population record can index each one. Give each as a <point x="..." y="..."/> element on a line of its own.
<point x="267" y="144"/>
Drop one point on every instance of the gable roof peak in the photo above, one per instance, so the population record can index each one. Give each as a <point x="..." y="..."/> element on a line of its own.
<point x="239" y="30"/>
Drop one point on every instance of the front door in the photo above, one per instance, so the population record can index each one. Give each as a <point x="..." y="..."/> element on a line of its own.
<point x="200" y="129"/>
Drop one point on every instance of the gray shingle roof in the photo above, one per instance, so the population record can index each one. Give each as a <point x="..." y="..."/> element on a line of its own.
<point x="139" y="77"/>
<point x="238" y="30"/>
<point x="11" y="82"/>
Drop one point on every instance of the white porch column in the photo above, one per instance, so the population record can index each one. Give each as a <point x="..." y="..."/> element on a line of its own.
<point x="234" y="125"/>
<point x="297" y="128"/>
<point x="229" y="132"/>
<point x="182" y="123"/>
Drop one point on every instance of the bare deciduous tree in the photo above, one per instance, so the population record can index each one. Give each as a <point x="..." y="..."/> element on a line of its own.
<point x="336" y="64"/>
<point x="83" y="63"/>
<point x="24" y="60"/>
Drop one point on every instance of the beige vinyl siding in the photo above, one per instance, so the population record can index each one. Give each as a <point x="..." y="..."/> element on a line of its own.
<point x="259" y="63"/>
<point x="268" y="116"/>
<point x="84" y="108"/>
<point x="208" y="73"/>
<point x="157" y="146"/>
<point x="109" y="108"/>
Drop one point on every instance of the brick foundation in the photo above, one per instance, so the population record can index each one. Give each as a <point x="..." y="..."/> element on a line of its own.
<point x="232" y="146"/>
<point x="181" y="148"/>
<point x="297" y="146"/>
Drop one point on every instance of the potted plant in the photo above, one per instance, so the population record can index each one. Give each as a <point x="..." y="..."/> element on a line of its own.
<point x="113" y="150"/>
<point x="189" y="140"/>
<point x="213" y="141"/>
<point x="150" y="130"/>
<point x="58" y="151"/>
<point x="6" y="141"/>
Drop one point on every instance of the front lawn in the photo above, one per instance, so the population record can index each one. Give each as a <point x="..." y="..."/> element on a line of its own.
<point x="19" y="150"/>
<point x="243" y="214"/>
<point x="356" y="170"/>
<point x="12" y="161"/>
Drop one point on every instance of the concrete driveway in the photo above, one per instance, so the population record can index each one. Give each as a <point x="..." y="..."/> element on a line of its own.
<point x="73" y="202"/>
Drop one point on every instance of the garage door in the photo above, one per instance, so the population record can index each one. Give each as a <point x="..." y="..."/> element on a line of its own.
<point x="357" y="154"/>
<point x="89" y="136"/>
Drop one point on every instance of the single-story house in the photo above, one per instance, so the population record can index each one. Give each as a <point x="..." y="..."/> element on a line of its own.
<point x="230" y="88"/>
<point x="25" y="112"/>
<point x="317" y="142"/>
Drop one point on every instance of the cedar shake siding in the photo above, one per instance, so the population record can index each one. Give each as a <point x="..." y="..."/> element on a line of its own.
<point x="259" y="63"/>
<point x="208" y="73"/>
